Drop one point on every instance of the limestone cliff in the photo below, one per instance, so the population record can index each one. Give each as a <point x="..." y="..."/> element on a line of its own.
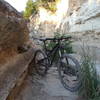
<point x="85" y="18"/>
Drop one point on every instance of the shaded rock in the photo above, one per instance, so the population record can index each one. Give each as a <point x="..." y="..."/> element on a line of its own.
<point x="7" y="9"/>
<point x="13" y="73"/>
<point x="13" y="28"/>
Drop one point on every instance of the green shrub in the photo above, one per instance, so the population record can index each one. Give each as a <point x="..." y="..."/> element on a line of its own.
<point x="67" y="45"/>
<point x="31" y="8"/>
<point x="96" y="98"/>
<point x="48" y="4"/>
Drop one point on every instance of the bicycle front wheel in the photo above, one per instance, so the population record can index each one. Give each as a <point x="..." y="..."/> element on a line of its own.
<point x="41" y="62"/>
<point x="69" y="72"/>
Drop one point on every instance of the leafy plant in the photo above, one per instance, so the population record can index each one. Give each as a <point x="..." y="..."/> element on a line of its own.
<point x="66" y="44"/>
<point x="90" y="84"/>
<point x="31" y="7"/>
<point x="49" y="4"/>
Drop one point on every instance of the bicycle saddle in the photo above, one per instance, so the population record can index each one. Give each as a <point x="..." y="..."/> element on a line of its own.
<point x="43" y="39"/>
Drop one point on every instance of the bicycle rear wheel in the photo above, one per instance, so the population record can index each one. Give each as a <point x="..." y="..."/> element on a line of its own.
<point x="69" y="72"/>
<point x="41" y="62"/>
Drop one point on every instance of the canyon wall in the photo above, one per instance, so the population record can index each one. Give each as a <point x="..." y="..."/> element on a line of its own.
<point x="82" y="19"/>
<point x="86" y="17"/>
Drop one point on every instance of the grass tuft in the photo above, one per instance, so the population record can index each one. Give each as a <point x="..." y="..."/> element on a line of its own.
<point x="90" y="83"/>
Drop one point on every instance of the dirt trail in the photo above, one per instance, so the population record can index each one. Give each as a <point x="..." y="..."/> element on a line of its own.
<point x="47" y="88"/>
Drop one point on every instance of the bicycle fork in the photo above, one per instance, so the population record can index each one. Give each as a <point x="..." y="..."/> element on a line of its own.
<point x="60" y="54"/>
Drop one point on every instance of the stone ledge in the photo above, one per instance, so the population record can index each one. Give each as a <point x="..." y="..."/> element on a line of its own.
<point x="13" y="72"/>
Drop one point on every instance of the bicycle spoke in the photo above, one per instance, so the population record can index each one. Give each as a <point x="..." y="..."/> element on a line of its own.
<point x="69" y="73"/>
<point x="41" y="63"/>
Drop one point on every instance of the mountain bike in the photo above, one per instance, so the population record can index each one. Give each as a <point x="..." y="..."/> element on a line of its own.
<point x="68" y="66"/>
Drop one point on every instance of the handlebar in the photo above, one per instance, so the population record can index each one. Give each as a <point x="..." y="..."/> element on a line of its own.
<point x="61" y="38"/>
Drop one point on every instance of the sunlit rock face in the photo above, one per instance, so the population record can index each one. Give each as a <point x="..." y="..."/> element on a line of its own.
<point x="85" y="18"/>
<point x="13" y="29"/>
<point x="84" y="24"/>
<point x="46" y="22"/>
<point x="41" y="29"/>
<point x="80" y="16"/>
<point x="75" y="4"/>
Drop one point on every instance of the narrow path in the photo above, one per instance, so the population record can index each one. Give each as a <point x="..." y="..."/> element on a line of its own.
<point x="47" y="88"/>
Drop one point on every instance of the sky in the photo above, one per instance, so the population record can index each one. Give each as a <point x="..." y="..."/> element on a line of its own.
<point x="18" y="4"/>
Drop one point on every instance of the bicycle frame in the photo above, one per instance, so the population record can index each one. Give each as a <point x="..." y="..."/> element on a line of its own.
<point x="52" y="52"/>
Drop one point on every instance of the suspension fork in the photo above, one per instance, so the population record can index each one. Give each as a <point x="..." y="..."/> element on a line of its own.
<point x="60" y="54"/>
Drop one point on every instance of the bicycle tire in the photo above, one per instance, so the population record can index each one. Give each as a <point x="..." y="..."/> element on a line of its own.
<point x="43" y="63"/>
<point x="76" y="87"/>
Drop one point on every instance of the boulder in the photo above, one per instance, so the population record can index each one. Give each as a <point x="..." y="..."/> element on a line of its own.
<point x="13" y="29"/>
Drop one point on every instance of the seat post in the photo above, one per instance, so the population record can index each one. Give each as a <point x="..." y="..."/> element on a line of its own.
<point x="44" y="45"/>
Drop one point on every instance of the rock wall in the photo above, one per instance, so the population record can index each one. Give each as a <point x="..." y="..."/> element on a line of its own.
<point x="85" y="18"/>
<point x="75" y="5"/>
<point x="84" y="25"/>
<point x="48" y="28"/>
<point x="13" y="30"/>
